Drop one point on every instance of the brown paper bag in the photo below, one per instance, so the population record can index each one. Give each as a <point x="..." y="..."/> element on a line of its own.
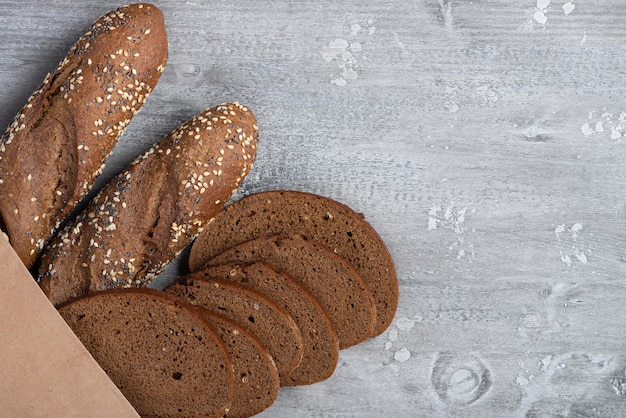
<point x="44" y="369"/>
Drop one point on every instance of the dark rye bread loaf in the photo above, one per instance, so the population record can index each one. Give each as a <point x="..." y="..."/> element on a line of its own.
<point x="256" y="377"/>
<point x="318" y="218"/>
<point x="166" y="359"/>
<point x="321" y="346"/>
<point x="331" y="279"/>
<point x="150" y="212"/>
<point x="58" y="143"/>
<point x="276" y="329"/>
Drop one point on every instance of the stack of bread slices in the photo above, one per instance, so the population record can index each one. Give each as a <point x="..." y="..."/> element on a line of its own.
<point x="278" y="282"/>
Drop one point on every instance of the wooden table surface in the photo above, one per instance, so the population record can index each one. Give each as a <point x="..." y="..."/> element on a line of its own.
<point x="485" y="141"/>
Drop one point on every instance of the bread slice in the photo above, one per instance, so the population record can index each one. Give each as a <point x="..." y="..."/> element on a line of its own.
<point x="321" y="346"/>
<point x="330" y="278"/>
<point x="256" y="377"/>
<point x="58" y="143"/>
<point x="276" y="329"/>
<point x="316" y="217"/>
<point x="151" y="211"/>
<point x="164" y="357"/>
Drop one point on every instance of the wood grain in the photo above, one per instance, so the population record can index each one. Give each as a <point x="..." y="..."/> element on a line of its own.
<point x="483" y="139"/>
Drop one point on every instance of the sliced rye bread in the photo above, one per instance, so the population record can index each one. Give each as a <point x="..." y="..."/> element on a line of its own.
<point x="316" y="217"/>
<point x="275" y="328"/>
<point x="330" y="278"/>
<point x="321" y="345"/>
<point x="256" y="377"/>
<point x="164" y="357"/>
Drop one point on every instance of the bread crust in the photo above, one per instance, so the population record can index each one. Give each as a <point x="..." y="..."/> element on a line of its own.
<point x="145" y="216"/>
<point x="258" y="314"/>
<point x="318" y="218"/>
<point x="331" y="279"/>
<point x="256" y="377"/>
<point x="58" y="143"/>
<point x="321" y="345"/>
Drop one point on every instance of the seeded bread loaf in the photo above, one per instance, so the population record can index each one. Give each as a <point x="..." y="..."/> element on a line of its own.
<point x="58" y="143"/>
<point x="321" y="346"/>
<point x="147" y="214"/>
<point x="256" y="377"/>
<point x="318" y="218"/>
<point x="331" y="279"/>
<point x="276" y="329"/>
<point x="165" y="358"/>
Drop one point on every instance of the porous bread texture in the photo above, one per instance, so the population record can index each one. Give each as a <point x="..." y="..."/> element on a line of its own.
<point x="318" y="218"/>
<point x="164" y="357"/>
<point x="321" y="345"/>
<point x="256" y="381"/>
<point x="331" y="279"/>
<point x="146" y="215"/>
<point x="275" y="328"/>
<point x="58" y="143"/>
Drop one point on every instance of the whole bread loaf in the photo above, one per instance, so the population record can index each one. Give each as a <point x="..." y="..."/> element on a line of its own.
<point x="151" y="211"/>
<point x="318" y="218"/>
<point x="57" y="145"/>
<point x="331" y="279"/>
<point x="321" y="345"/>
<point x="258" y="314"/>
<point x="165" y="358"/>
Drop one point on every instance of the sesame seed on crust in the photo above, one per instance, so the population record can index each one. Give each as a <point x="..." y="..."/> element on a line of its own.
<point x="165" y="198"/>
<point x="83" y="72"/>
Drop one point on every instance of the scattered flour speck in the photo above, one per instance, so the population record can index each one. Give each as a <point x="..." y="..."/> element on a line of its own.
<point x="559" y="230"/>
<point x="405" y="324"/>
<point x="402" y="355"/>
<point x="576" y="228"/>
<point x="615" y="134"/>
<point x="393" y="335"/>
<point x="349" y="74"/>
<point x="600" y="127"/>
<point x="566" y="258"/>
<point x="605" y="126"/>
<point x="521" y="380"/>
<point x="568" y="7"/>
<point x="432" y="217"/>
<point x="572" y="246"/>
<point x="586" y="129"/>
<point x="540" y="17"/>
<point x="354" y="29"/>
<point x="580" y="256"/>
<point x="544" y="363"/>
<point x="542" y="4"/>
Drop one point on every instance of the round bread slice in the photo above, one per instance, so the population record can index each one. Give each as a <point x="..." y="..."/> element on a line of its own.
<point x="276" y="329"/>
<point x="316" y="217"/>
<point x="321" y="346"/>
<point x="256" y="377"/>
<point x="330" y="278"/>
<point x="165" y="358"/>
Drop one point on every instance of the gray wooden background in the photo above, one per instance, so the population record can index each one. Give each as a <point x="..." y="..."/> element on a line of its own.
<point x="484" y="140"/>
